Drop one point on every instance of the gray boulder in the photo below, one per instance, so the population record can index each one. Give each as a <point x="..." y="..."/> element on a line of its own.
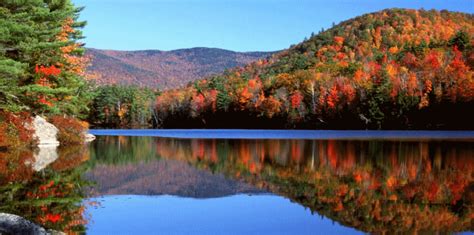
<point x="14" y="224"/>
<point x="45" y="132"/>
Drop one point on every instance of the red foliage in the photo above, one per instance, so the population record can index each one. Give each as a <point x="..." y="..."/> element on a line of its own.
<point x="432" y="191"/>
<point x="47" y="71"/>
<point x="333" y="97"/>
<point x="296" y="99"/>
<point x="374" y="68"/>
<point x="357" y="177"/>
<point x="340" y="56"/>
<point x="15" y="129"/>
<point x="349" y="91"/>
<point x="457" y="65"/>
<point x="53" y="218"/>
<point x="432" y="59"/>
<point x="198" y="101"/>
<point x="410" y="60"/>
<point x="43" y="100"/>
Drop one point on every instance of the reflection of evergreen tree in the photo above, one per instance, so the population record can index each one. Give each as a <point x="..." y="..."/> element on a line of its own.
<point x="52" y="197"/>
<point x="120" y="150"/>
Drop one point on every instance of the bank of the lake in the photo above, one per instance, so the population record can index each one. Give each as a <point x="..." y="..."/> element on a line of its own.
<point x="287" y="134"/>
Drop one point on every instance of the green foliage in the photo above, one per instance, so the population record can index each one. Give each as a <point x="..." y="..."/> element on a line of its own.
<point x="460" y="39"/>
<point x="121" y="106"/>
<point x="29" y="37"/>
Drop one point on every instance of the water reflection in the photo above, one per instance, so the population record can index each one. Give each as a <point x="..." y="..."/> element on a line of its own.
<point x="373" y="186"/>
<point x="45" y="186"/>
<point x="123" y="165"/>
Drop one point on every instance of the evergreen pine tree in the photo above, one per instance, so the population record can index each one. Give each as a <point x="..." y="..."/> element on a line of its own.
<point x="38" y="50"/>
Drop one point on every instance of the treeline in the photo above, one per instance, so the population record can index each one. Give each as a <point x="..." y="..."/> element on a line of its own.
<point x="118" y="106"/>
<point x="393" y="69"/>
<point x="41" y="68"/>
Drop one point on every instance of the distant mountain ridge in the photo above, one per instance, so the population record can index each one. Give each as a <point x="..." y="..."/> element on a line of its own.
<point x="164" y="69"/>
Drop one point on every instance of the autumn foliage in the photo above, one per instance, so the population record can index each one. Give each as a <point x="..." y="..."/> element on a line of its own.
<point x="393" y="69"/>
<point x="373" y="186"/>
<point x="15" y="129"/>
<point x="71" y="130"/>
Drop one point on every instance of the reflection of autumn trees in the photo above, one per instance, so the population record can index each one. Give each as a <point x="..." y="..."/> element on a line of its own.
<point x="51" y="197"/>
<point x="11" y="170"/>
<point x="374" y="186"/>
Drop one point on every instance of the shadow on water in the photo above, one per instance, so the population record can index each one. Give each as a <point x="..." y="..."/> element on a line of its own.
<point x="373" y="186"/>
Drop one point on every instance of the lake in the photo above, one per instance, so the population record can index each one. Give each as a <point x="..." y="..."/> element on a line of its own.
<point x="247" y="182"/>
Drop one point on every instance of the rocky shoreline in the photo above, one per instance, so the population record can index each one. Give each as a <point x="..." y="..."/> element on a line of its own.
<point x="46" y="133"/>
<point x="46" y="153"/>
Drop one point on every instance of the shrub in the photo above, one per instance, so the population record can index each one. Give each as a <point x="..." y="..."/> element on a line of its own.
<point x="16" y="129"/>
<point x="71" y="130"/>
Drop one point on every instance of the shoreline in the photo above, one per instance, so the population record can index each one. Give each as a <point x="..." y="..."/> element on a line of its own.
<point x="288" y="134"/>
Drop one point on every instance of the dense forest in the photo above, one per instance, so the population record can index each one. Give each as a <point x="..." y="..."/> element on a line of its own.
<point x="393" y="69"/>
<point x="41" y="69"/>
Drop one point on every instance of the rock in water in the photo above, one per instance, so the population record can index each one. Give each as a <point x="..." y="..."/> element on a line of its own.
<point x="89" y="137"/>
<point x="45" y="132"/>
<point x="14" y="224"/>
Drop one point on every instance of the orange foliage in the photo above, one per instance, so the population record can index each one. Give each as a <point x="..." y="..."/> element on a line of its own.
<point x="333" y="97"/>
<point x="244" y="97"/>
<point x="338" y="40"/>
<point x="271" y="106"/>
<point x="74" y="63"/>
<point x="71" y="130"/>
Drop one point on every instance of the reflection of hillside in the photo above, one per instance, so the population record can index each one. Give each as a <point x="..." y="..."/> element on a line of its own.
<point x="157" y="177"/>
<point x="370" y="185"/>
<point x="131" y="165"/>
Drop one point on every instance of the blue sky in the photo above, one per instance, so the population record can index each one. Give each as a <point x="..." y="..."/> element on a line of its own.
<point x="239" y="25"/>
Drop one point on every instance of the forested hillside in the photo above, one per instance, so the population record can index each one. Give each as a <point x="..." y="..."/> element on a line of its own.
<point x="393" y="69"/>
<point x="164" y="69"/>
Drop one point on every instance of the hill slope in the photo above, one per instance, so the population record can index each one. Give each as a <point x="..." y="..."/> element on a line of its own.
<point x="396" y="68"/>
<point x="164" y="69"/>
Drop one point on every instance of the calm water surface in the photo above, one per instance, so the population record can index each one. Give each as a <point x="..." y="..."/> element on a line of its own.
<point x="200" y="182"/>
